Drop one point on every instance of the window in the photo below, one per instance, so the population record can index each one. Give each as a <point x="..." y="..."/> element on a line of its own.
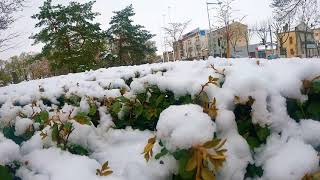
<point x="290" y="40"/>
<point x="291" y="51"/>
<point x="317" y="34"/>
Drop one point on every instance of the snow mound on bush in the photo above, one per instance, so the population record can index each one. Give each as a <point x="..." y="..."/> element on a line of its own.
<point x="238" y="154"/>
<point x="55" y="164"/>
<point x="287" y="160"/>
<point x="9" y="151"/>
<point x="22" y="124"/>
<point x="181" y="127"/>
<point x="290" y="151"/>
<point x="311" y="132"/>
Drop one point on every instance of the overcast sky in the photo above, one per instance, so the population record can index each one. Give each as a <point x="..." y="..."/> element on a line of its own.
<point x="150" y="13"/>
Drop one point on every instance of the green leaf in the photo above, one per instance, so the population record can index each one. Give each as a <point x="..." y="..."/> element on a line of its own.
<point x="67" y="126"/>
<point x="55" y="133"/>
<point x="8" y="132"/>
<point x="73" y="100"/>
<point x="41" y="117"/>
<point x="77" y="149"/>
<point x="5" y="173"/>
<point x="82" y="118"/>
<point x="316" y="86"/>
<point x="93" y="109"/>
<point x="150" y="113"/>
<point x="61" y="100"/>
<point x="185" y="99"/>
<point x="123" y="99"/>
<point x="314" y="109"/>
<point x="142" y="97"/>
<point x="294" y="108"/>
<point x="116" y="107"/>
<point x="159" y="100"/>
<point x="138" y="110"/>
<point x="253" y="171"/>
<point x="163" y="152"/>
<point x="253" y="142"/>
<point x="263" y="133"/>
<point x="178" y="154"/>
<point x="244" y="126"/>
<point x="183" y="160"/>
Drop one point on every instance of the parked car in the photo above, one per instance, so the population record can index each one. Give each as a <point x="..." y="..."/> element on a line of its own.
<point x="273" y="56"/>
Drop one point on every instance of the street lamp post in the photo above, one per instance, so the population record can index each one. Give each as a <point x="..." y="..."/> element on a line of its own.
<point x="209" y="35"/>
<point x="210" y="29"/>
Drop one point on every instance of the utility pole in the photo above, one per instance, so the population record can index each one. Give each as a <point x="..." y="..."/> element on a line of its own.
<point x="271" y="39"/>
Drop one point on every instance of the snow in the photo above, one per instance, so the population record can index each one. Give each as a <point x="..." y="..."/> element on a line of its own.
<point x="84" y="105"/>
<point x="290" y="152"/>
<point x="47" y="163"/>
<point x="310" y="130"/>
<point x="238" y="154"/>
<point x="21" y="125"/>
<point x="9" y="151"/>
<point x="181" y="127"/>
<point x="287" y="160"/>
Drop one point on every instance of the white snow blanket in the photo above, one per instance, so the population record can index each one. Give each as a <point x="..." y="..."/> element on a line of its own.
<point x="290" y="151"/>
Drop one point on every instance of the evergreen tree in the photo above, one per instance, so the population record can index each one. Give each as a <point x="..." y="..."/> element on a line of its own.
<point x="72" y="42"/>
<point x="129" y="40"/>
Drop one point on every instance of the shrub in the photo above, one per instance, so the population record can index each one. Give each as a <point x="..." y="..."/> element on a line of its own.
<point x="142" y="112"/>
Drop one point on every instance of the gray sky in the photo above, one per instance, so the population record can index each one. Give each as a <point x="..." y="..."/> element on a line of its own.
<point x="149" y="13"/>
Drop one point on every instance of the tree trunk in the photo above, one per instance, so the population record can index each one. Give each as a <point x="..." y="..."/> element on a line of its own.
<point x="228" y="48"/>
<point x="305" y="43"/>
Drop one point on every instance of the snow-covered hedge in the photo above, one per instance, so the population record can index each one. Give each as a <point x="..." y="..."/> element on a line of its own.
<point x="215" y="119"/>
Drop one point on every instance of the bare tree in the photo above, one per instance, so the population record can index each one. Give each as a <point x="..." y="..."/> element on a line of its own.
<point x="281" y="28"/>
<point x="261" y="29"/>
<point x="237" y="32"/>
<point x="289" y="8"/>
<point x="308" y="14"/>
<point x="175" y="31"/>
<point x="7" y="10"/>
<point x="248" y="35"/>
<point x="225" y="16"/>
<point x="286" y="8"/>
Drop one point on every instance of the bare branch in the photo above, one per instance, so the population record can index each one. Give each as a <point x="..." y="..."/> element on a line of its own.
<point x="7" y="10"/>
<point x="175" y="31"/>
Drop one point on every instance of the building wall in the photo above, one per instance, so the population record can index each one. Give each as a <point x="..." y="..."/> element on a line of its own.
<point x="316" y="33"/>
<point x="291" y="45"/>
<point x="193" y="45"/>
<point x="167" y="56"/>
<point x="238" y="39"/>
<point x="295" y="45"/>
<point x="317" y="39"/>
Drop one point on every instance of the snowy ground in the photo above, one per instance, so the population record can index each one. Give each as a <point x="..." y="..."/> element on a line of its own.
<point x="290" y="151"/>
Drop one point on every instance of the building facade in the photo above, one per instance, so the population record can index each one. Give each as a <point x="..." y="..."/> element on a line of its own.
<point x="192" y="45"/>
<point x="237" y="33"/>
<point x="301" y="42"/>
<point x="316" y="33"/>
<point x="167" y="56"/>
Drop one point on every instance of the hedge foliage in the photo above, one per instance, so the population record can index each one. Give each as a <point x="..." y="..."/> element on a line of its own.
<point x="142" y="112"/>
